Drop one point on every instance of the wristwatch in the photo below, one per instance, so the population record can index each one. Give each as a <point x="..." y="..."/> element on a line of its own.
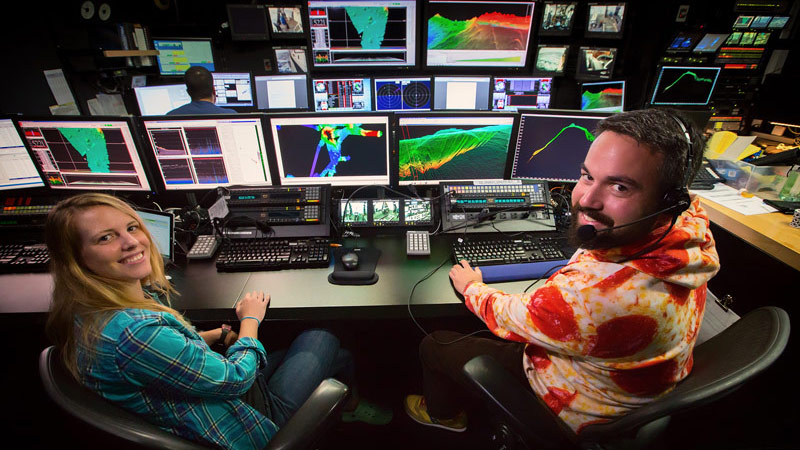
<point x="225" y="329"/>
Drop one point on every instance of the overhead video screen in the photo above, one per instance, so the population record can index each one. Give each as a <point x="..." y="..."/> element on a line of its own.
<point x="557" y="18"/>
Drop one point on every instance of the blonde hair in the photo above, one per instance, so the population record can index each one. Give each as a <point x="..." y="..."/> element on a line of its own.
<point x="82" y="295"/>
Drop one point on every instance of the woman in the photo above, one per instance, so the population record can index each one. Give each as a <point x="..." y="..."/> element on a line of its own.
<point x="111" y="317"/>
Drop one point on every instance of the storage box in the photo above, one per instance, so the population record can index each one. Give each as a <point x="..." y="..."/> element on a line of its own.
<point x="766" y="181"/>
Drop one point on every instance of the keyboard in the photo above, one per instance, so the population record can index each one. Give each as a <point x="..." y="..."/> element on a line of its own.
<point x="510" y="259"/>
<point x="21" y="258"/>
<point x="273" y="254"/>
<point x="706" y="177"/>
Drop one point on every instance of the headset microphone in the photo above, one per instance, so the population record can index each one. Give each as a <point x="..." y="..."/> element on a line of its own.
<point x="586" y="233"/>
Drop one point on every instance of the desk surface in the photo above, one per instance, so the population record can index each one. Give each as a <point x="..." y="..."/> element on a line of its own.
<point x="769" y="232"/>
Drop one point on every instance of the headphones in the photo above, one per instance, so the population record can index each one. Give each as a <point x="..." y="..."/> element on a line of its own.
<point x="678" y="198"/>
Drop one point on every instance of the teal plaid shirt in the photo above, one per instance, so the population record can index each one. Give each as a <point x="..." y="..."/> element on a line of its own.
<point x="151" y="364"/>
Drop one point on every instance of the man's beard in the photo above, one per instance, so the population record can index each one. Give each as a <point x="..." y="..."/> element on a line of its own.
<point x="606" y="239"/>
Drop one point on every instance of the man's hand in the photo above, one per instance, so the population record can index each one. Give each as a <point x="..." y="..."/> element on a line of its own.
<point x="462" y="275"/>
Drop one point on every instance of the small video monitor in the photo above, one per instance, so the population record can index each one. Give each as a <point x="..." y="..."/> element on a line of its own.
<point x="161" y="226"/>
<point x="342" y="95"/>
<point x="340" y="150"/>
<point x="361" y="33"/>
<point x="389" y="212"/>
<point x="233" y="89"/>
<point x="466" y="93"/>
<point x="248" y="22"/>
<point x="682" y="85"/>
<point x="478" y="33"/>
<point x="557" y="18"/>
<point x="417" y="212"/>
<point x="16" y="167"/>
<point x="207" y="152"/>
<point x="761" y="38"/>
<point x="282" y="91"/>
<point x="437" y="147"/>
<point x="748" y="38"/>
<point x="159" y="100"/>
<point x="86" y="153"/>
<point x="607" y="96"/>
<point x="515" y="93"/>
<point x="711" y="42"/>
<point x="683" y="42"/>
<point x="354" y="212"/>
<point x="761" y="22"/>
<point x="778" y="22"/>
<point x="386" y="211"/>
<point x="605" y="20"/>
<point x="595" y="63"/>
<point x="734" y="38"/>
<point x="551" y="145"/>
<point x="403" y="94"/>
<point x="286" y="21"/>
<point x="743" y="21"/>
<point x="177" y="55"/>
<point x="551" y="59"/>
<point x="291" y="59"/>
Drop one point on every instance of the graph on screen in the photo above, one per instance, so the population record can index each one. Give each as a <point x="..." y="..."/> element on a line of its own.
<point x="685" y="85"/>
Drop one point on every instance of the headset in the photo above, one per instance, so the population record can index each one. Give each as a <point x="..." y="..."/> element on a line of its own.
<point x="678" y="198"/>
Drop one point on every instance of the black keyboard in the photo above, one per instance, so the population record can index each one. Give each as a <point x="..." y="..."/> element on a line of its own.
<point x="488" y="251"/>
<point x="21" y="258"/>
<point x="273" y="254"/>
<point x="706" y="177"/>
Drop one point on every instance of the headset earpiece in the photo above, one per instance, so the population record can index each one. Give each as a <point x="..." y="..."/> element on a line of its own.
<point x="679" y="197"/>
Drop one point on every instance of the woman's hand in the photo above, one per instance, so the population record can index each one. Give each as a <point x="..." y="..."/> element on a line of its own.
<point x="462" y="275"/>
<point x="253" y="304"/>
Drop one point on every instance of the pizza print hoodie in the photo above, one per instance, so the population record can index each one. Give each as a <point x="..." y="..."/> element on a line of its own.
<point x="606" y="337"/>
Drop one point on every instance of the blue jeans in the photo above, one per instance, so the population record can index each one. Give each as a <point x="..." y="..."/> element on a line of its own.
<point x="292" y="374"/>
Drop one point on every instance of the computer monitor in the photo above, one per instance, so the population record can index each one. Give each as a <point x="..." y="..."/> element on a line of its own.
<point x="94" y="153"/>
<point x="514" y="93"/>
<point x="761" y="22"/>
<point x="343" y="150"/>
<point x="233" y="89"/>
<point x="363" y="33"/>
<point x="683" y="42"/>
<point x="403" y="94"/>
<point x="605" y="20"/>
<point x="161" y="226"/>
<point x="478" y="33"/>
<point x="159" y="100"/>
<point x="595" y="63"/>
<point x="551" y="145"/>
<point x="743" y="21"/>
<point x="682" y="85"/>
<point x="434" y="147"/>
<point x="177" y="55"/>
<point x="468" y="93"/>
<point x="342" y="94"/>
<point x="748" y="38"/>
<point x="551" y="59"/>
<point x="206" y="152"/>
<point x="16" y="168"/>
<point x="606" y="96"/>
<point x="248" y="22"/>
<point x="557" y="18"/>
<point x="778" y="22"/>
<point x="734" y="38"/>
<point x="711" y="42"/>
<point x="282" y="91"/>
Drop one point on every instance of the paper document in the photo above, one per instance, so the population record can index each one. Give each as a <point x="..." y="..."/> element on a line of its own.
<point x="731" y="198"/>
<point x="59" y="87"/>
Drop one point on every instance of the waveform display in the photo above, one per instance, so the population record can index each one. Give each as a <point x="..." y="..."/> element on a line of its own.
<point x="453" y="153"/>
<point x="489" y="31"/>
<point x="685" y="85"/>
<point x="608" y="99"/>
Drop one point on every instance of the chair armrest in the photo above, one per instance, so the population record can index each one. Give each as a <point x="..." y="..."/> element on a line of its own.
<point x="313" y="418"/>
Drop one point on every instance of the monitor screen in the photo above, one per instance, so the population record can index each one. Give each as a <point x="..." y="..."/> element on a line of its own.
<point x="557" y="18"/>
<point x="778" y="22"/>
<point x="683" y="42"/>
<point x="711" y="42"/>
<point x="743" y="21"/>
<point x="478" y="33"/>
<point x="285" y="20"/>
<point x="512" y="93"/>
<point x="748" y="38"/>
<point x="208" y="152"/>
<point x="470" y="93"/>
<point x="86" y="153"/>
<point x="348" y="150"/>
<point x="553" y="146"/>
<point x="603" y="96"/>
<point x="761" y="22"/>
<point x="159" y="100"/>
<point x="177" y="55"/>
<point x="452" y="147"/>
<point x="342" y="95"/>
<point x="605" y="20"/>
<point x="734" y="38"/>
<point x="385" y="212"/>
<point x="551" y="59"/>
<point x="403" y="94"/>
<point x="282" y="91"/>
<point x="595" y="63"/>
<point x="677" y="85"/>
<point x="233" y="89"/>
<point x="248" y="22"/>
<point x="16" y="168"/>
<point x="363" y="33"/>
<point x="291" y="59"/>
<point x="161" y="226"/>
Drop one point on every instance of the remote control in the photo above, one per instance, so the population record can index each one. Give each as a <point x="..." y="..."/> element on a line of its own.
<point x="204" y="247"/>
<point x="418" y="243"/>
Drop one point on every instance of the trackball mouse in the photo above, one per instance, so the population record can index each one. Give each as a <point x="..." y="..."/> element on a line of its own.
<point x="350" y="261"/>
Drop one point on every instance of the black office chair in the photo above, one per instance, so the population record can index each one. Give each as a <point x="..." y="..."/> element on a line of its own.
<point x="721" y="365"/>
<point x="303" y="430"/>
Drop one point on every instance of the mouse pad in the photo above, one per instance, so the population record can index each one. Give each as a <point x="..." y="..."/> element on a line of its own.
<point x="364" y="274"/>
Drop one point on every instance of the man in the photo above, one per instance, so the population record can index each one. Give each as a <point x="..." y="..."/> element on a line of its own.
<point x="200" y="87"/>
<point x="615" y="328"/>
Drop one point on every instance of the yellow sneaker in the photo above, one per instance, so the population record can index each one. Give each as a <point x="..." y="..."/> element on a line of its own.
<point x="417" y="409"/>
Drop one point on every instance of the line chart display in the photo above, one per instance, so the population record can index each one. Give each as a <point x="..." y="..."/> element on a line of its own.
<point x="553" y="146"/>
<point x="603" y="96"/>
<point x="678" y="85"/>
<point x="403" y="94"/>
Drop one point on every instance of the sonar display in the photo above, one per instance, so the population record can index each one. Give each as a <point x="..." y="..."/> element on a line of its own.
<point x="685" y="85"/>
<point x="453" y="152"/>
<point x="403" y="94"/>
